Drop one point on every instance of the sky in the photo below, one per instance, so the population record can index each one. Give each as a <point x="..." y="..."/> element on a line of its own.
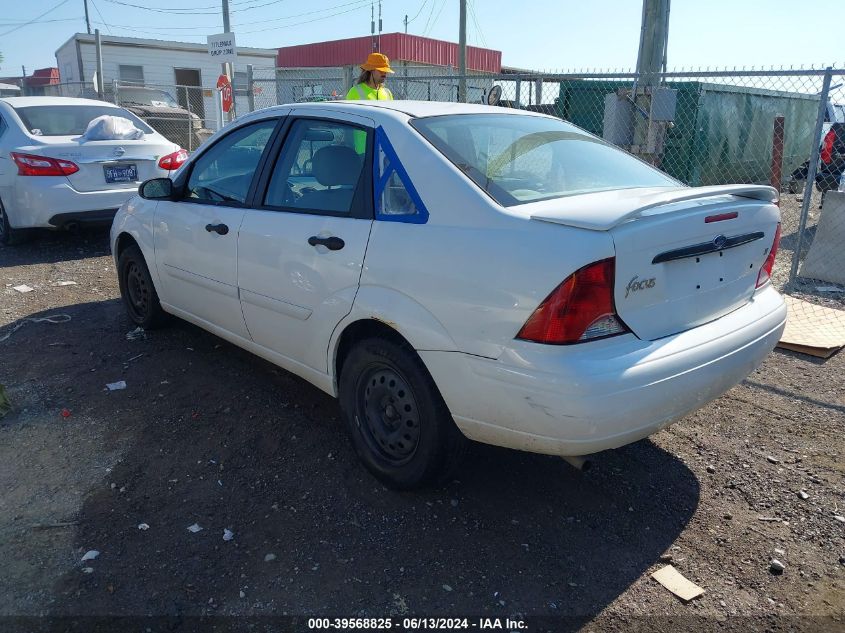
<point x="547" y="35"/>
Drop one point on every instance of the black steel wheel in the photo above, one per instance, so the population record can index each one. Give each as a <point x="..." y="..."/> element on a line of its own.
<point x="389" y="414"/>
<point x="399" y="424"/>
<point x="137" y="289"/>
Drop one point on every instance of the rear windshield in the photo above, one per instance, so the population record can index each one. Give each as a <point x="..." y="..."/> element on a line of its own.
<point x="70" y="120"/>
<point x="142" y="96"/>
<point x="518" y="159"/>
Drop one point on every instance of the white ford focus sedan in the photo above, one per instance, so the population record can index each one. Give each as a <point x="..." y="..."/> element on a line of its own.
<point x="459" y="271"/>
<point x="52" y="177"/>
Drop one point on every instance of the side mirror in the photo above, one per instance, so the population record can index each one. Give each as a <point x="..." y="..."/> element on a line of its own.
<point x="156" y="189"/>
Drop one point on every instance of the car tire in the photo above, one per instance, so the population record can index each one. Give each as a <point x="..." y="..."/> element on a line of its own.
<point x="137" y="290"/>
<point x="8" y="235"/>
<point x="399" y="424"/>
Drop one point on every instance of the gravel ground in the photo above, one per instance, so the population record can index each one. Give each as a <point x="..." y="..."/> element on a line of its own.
<point x="207" y="434"/>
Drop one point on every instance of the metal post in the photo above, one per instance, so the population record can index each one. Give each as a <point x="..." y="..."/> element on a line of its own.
<point x="777" y="153"/>
<point x="811" y="172"/>
<point x="462" y="53"/>
<point x="115" y="87"/>
<point x="227" y="67"/>
<point x="250" y="87"/>
<point x="518" y="90"/>
<point x="99" y="47"/>
<point x="87" y="21"/>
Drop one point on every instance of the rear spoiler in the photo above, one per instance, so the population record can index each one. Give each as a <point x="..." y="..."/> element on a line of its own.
<point x="604" y="210"/>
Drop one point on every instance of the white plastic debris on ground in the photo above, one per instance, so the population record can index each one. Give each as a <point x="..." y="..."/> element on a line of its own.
<point x="194" y="528"/>
<point x="90" y="555"/>
<point x="111" y="128"/>
<point x="228" y="535"/>
<point x="116" y="386"/>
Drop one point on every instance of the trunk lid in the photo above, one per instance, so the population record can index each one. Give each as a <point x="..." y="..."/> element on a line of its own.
<point x="93" y="157"/>
<point x="684" y="257"/>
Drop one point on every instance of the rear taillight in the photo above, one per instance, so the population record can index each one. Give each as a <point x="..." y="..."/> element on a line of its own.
<point x="766" y="271"/>
<point x="827" y="146"/>
<point x="32" y="165"/>
<point x="580" y="309"/>
<point x="174" y="160"/>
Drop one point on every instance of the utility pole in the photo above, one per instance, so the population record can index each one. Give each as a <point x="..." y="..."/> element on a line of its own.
<point x="649" y="130"/>
<point x="100" y="79"/>
<point x="379" y="25"/>
<point x="406" y="24"/>
<point x="462" y="53"/>
<point x="87" y="21"/>
<point x="23" y="80"/>
<point x="373" y="25"/>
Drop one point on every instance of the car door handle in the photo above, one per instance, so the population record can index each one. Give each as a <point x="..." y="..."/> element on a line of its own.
<point x="331" y="243"/>
<point x="220" y="229"/>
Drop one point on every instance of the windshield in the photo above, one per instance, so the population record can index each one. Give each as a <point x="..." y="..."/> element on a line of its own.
<point x="519" y="159"/>
<point x="70" y="120"/>
<point x="141" y="96"/>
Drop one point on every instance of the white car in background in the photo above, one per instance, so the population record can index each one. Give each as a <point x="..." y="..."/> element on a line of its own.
<point x="451" y="271"/>
<point x="52" y="178"/>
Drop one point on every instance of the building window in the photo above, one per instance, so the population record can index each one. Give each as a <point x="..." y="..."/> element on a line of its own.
<point x="132" y="74"/>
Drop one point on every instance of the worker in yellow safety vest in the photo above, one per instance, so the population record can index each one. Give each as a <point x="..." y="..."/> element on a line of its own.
<point x="371" y="80"/>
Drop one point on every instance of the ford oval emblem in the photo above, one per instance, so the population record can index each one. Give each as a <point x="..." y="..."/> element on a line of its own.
<point x="719" y="241"/>
<point x="119" y="151"/>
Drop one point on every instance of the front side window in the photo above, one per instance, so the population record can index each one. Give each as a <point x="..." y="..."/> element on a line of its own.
<point x="319" y="168"/>
<point x="518" y="159"/>
<point x="70" y="120"/>
<point x="223" y="174"/>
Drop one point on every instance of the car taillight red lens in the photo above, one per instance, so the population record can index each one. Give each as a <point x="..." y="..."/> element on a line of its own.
<point x="580" y="309"/>
<point x="827" y="147"/>
<point x="32" y="165"/>
<point x="766" y="271"/>
<point x="174" y="160"/>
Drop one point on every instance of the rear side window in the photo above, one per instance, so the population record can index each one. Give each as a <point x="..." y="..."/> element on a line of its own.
<point x="320" y="168"/>
<point x="70" y="120"/>
<point x="518" y="159"/>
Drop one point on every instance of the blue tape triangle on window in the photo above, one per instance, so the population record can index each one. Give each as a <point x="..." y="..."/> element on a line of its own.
<point x="382" y="143"/>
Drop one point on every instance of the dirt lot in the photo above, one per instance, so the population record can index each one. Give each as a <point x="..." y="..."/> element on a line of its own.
<point x="207" y="434"/>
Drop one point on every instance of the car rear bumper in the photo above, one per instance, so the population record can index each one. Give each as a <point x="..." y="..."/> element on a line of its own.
<point x="52" y="202"/>
<point x="100" y="217"/>
<point x="581" y="399"/>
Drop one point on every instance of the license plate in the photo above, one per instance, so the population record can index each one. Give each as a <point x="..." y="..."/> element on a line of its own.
<point x="120" y="173"/>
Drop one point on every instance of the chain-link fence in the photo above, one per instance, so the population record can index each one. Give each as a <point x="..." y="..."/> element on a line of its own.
<point x="702" y="127"/>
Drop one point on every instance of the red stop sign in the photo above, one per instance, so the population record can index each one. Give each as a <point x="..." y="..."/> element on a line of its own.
<point x="225" y="87"/>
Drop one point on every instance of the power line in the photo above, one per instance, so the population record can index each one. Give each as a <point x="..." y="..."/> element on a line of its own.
<point x="97" y="9"/>
<point x="156" y="28"/>
<point x="5" y="22"/>
<point x="475" y="21"/>
<point x="136" y="29"/>
<point x="422" y="6"/>
<point x="430" y="14"/>
<point x="437" y="17"/>
<point x="34" y="20"/>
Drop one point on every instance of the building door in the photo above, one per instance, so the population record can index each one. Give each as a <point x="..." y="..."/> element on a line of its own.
<point x="189" y="91"/>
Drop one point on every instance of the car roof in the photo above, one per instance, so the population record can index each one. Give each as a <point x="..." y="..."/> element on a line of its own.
<point x="24" y="102"/>
<point x="415" y="108"/>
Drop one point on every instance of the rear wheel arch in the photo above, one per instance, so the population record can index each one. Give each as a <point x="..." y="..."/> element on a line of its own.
<point x="361" y="330"/>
